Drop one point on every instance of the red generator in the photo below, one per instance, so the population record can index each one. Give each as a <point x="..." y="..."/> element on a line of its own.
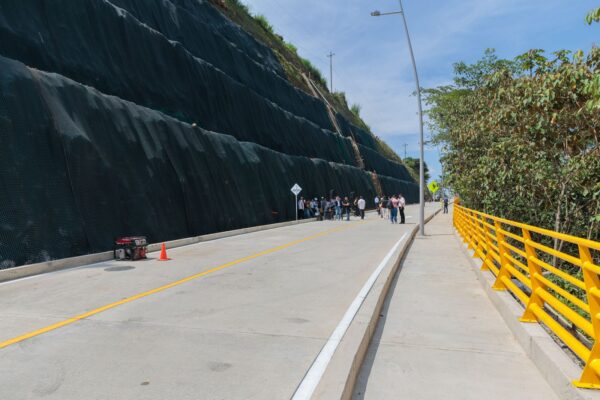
<point x="130" y="248"/>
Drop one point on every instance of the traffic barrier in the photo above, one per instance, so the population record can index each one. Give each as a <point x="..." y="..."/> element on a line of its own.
<point x="553" y="275"/>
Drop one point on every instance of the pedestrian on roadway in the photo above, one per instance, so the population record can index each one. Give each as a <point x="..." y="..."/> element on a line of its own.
<point x="326" y="208"/>
<point x="401" y="205"/>
<point x="394" y="202"/>
<point x="307" y="209"/>
<point x="338" y="208"/>
<point x="361" y="203"/>
<point x="301" y="208"/>
<point x="376" y="200"/>
<point x="321" y="208"/>
<point x="445" y="205"/>
<point x="346" y="208"/>
<point x="330" y="209"/>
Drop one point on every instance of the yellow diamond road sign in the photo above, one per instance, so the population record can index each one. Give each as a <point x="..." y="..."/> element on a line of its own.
<point x="433" y="186"/>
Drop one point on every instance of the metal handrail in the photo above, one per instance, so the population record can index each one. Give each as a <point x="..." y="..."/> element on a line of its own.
<point x="572" y="313"/>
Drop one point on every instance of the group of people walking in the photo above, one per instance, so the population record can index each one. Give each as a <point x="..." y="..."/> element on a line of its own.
<point x="338" y="208"/>
<point x="388" y="207"/>
<point x="332" y="209"/>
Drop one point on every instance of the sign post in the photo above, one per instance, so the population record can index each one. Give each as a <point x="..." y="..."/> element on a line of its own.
<point x="296" y="189"/>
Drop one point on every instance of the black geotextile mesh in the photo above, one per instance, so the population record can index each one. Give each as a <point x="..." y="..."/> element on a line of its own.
<point x="95" y="43"/>
<point x="246" y="61"/>
<point x="383" y="166"/>
<point x="359" y="135"/>
<point x="99" y="44"/>
<point x="79" y="168"/>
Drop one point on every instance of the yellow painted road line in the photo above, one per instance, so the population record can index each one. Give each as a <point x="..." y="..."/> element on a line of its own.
<point x="126" y="300"/>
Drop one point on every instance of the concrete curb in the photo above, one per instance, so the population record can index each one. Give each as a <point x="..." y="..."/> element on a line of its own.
<point x="341" y="375"/>
<point x="72" y="262"/>
<point x="550" y="359"/>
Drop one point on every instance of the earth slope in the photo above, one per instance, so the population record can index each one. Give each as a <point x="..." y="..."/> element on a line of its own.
<point x="97" y="102"/>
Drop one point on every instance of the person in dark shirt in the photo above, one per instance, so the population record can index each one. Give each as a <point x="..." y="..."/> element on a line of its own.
<point x="346" y="208"/>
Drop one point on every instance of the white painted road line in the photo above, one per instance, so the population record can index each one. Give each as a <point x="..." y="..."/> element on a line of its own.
<point x="312" y="378"/>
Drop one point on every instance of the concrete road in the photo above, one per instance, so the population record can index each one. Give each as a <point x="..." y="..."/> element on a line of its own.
<point x="440" y="336"/>
<point x="236" y="318"/>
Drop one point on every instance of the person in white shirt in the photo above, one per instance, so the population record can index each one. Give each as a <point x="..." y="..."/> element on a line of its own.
<point x="361" y="207"/>
<point x="401" y="205"/>
<point x="377" y="204"/>
<point x="301" y="208"/>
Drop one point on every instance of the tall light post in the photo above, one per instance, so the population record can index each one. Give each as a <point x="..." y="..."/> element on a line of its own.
<point x="330" y="55"/>
<point x="421" y="136"/>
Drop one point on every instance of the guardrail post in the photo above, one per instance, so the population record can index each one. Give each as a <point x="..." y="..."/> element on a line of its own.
<point x="481" y="241"/>
<point x="534" y="270"/>
<point x="488" y="241"/>
<point x="589" y="377"/>
<point x="456" y="216"/>
<point x="502" y="271"/>
<point x="471" y="232"/>
<point x="465" y="226"/>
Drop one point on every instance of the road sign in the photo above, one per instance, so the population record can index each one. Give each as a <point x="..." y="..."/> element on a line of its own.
<point x="433" y="186"/>
<point x="296" y="189"/>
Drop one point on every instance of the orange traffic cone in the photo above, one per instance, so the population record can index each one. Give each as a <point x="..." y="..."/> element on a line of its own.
<point x="163" y="253"/>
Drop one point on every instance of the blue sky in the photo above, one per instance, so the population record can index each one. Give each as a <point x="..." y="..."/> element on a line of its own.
<point x="372" y="63"/>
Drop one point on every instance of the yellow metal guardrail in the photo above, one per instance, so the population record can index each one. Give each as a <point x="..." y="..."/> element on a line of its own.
<point x="558" y="286"/>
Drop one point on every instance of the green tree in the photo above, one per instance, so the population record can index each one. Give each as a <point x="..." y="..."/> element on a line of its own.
<point x="521" y="138"/>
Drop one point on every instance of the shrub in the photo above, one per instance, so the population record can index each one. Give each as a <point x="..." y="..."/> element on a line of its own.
<point x="240" y="5"/>
<point x="314" y="72"/>
<point x="341" y="98"/>
<point x="291" y="48"/>
<point x="264" y="23"/>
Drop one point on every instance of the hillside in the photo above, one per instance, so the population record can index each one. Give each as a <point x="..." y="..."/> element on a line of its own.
<point x="162" y="118"/>
<point x="298" y="70"/>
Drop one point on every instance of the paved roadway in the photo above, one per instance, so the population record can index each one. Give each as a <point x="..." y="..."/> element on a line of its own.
<point x="441" y="337"/>
<point x="247" y="324"/>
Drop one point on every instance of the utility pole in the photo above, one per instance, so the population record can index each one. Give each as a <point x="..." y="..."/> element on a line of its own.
<point x="405" y="150"/>
<point x="330" y="55"/>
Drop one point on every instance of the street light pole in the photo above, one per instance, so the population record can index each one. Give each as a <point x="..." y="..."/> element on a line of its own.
<point x="421" y="136"/>
<point x="330" y="55"/>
